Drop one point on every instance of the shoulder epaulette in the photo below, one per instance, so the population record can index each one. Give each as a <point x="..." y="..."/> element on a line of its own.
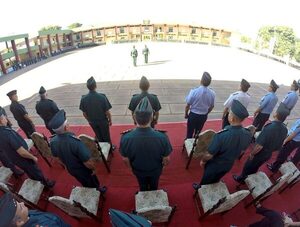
<point x="268" y="124"/>
<point x="74" y="137"/>
<point x="126" y="131"/>
<point x="224" y="130"/>
<point x="162" y="131"/>
<point x="153" y="94"/>
<point x="52" y="136"/>
<point x="135" y="94"/>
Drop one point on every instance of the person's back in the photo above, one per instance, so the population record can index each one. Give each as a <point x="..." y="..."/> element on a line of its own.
<point x="46" y="108"/>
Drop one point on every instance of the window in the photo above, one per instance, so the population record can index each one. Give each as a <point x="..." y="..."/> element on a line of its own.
<point x="122" y="30"/>
<point x="98" y="33"/>
<point x="194" y="30"/>
<point x="214" y="33"/>
<point x="146" y="29"/>
<point x="171" y="29"/>
<point x="78" y="36"/>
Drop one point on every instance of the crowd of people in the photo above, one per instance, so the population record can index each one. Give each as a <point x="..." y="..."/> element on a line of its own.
<point x="144" y="149"/>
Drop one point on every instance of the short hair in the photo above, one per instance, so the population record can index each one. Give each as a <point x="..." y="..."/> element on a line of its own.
<point x="206" y="79"/>
<point x="281" y="117"/>
<point x="144" y="84"/>
<point x="91" y="87"/>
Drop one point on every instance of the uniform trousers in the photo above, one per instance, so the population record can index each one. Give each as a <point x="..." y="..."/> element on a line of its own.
<point x="195" y="123"/>
<point x="148" y="182"/>
<point x="260" y="120"/>
<point x="7" y="163"/>
<point x="285" y="151"/>
<point x="101" y="129"/>
<point x="214" y="171"/>
<point x="31" y="169"/>
<point x="225" y="121"/>
<point x="27" y="128"/>
<point x="85" y="177"/>
<point x="146" y="58"/>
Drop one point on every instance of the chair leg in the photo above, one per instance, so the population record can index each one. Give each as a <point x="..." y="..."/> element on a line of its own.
<point x="105" y="163"/>
<point x="189" y="160"/>
<point x="284" y="188"/>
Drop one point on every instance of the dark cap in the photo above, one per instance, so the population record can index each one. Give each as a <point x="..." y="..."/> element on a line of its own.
<point x="144" y="83"/>
<point x="206" y="79"/>
<point x="245" y="84"/>
<point x="58" y="120"/>
<point x="42" y="90"/>
<point x="8" y="208"/>
<point x="11" y="93"/>
<point x="296" y="84"/>
<point x="239" y="110"/>
<point x="274" y="85"/>
<point x="283" y="111"/>
<point x="91" y="82"/>
<point x="143" y="111"/>
<point x="2" y="111"/>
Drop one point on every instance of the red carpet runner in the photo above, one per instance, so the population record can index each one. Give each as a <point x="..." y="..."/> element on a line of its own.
<point x="177" y="181"/>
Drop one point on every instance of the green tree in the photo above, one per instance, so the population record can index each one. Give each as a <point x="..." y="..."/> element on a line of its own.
<point x="297" y="51"/>
<point x="74" y="25"/>
<point x="51" y="28"/>
<point x="245" y="39"/>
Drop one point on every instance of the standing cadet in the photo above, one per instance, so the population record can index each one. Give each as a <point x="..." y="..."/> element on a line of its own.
<point x="145" y="150"/>
<point x="241" y="96"/>
<point x="291" y="98"/>
<point x="155" y="104"/>
<point x="13" y="213"/>
<point x="289" y="144"/>
<point x="46" y="108"/>
<point x="266" y="106"/>
<point x="95" y="107"/>
<point x="20" y="114"/>
<point x="225" y="147"/>
<point x="200" y="102"/>
<point x="73" y="153"/>
<point x="269" y="140"/>
<point x="16" y="150"/>
<point x="134" y="55"/>
<point x="146" y="53"/>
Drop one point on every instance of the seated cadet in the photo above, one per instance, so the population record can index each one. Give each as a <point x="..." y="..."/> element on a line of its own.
<point x="155" y="104"/>
<point x="266" y="106"/>
<point x="289" y="144"/>
<point x="225" y="147"/>
<point x="46" y="108"/>
<point x="9" y="124"/>
<point x="145" y="150"/>
<point x="16" y="150"/>
<point x="13" y="213"/>
<point x="291" y="98"/>
<point x="73" y="153"/>
<point x="200" y="102"/>
<point x="242" y="96"/>
<point x="269" y="140"/>
<point x="20" y="114"/>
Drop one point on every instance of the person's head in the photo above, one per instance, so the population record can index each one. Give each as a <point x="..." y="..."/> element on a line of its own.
<point x="273" y="86"/>
<point x="12" y="95"/>
<point x="237" y="113"/>
<point x="294" y="86"/>
<point x="3" y="118"/>
<point x="59" y="123"/>
<point x="91" y="84"/>
<point x="206" y="79"/>
<point x="12" y="213"/>
<point x="144" y="84"/>
<point x="42" y="92"/>
<point x="245" y="85"/>
<point x="143" y="112"/>
<point x="281" y="113"/>
<point x="133" y="46"/>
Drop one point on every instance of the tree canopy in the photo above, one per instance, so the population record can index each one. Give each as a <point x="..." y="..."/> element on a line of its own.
<point x="51" y="28"/>
<point x="74" y="25"/>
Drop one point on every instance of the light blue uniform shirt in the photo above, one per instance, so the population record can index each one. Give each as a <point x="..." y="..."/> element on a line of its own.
<point x="290" y="99"/>
<point x="201" y="99"/>
<point x="268" y="102"/>
<point x="295" y="129"/>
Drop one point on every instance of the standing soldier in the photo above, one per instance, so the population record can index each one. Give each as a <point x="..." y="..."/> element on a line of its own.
<point x="46" y="108"/>
<point x="134" y="55"/>
<point x="146" y="53"/>
<point x="241" y="96"/>
<point x="291" y="98"/>
<point x="269" y="140"/>
<point x="20" y="114"/>
<point x="95" y="107"/>
<point x="155" y="104"/>
<point x="266" y="106"/>
<point x="145" y="150"/>
<point x="225" y="147"/>
<point x="73" y="153"/>
<point x="200" y="103"/>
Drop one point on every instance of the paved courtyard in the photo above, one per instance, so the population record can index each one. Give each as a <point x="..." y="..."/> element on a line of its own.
<point x="173" y="70"/>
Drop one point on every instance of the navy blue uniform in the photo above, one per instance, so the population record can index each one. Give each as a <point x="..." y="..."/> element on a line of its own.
<point x="73" y="153"/>
<point x="135" y="100"/>
<point x="95" y="105"/>
<point x="272" y="218"/>
<point x="271" y="138"/>
<point x="46" y="108"/>
<point x="19" y="111"/>
<point x="145" y="149"/>
<point x="10" y="142"/>
<point x="43" y="219"/>
<point x="225" y="147"/>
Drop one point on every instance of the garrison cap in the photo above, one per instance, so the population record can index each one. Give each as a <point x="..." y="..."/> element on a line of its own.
<point x="206" y="78"/>
<point x="90" y="82"/>
<point x="11" y="93"/>
<point x="42" y="90"/>
<point x="144" y="83"/>
<point x="8" y="208"/>
<point x="283" y="111"/>
<point x="143" y="111"/>
<point x="245" y="83"/>
<point x="239" y="110"/>
<point x="274" y="85"/>
<point x="58" y="122"/>
<point x="296" y="84"/>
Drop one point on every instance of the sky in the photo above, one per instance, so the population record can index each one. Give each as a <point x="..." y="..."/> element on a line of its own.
<point x="243" y="16"/>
